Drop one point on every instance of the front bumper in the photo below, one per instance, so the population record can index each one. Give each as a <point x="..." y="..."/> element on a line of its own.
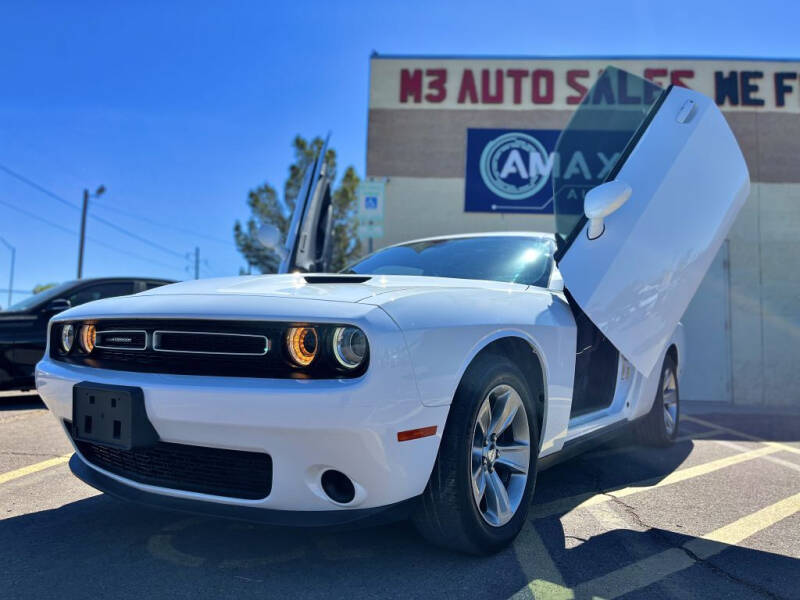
<point x="306" y="426"/>
<point x="294" y="518"/>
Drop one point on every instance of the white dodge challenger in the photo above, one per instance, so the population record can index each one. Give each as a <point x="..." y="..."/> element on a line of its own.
<point x="432" y="379"/>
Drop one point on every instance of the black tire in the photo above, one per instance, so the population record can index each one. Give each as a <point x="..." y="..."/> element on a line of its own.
<point x="652" y="430"/>
<point x="447" y="514"/>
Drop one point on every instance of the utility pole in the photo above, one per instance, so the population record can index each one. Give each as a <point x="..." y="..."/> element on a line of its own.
<point x="196" y="262"/>
<point x="11" y="276"/>
<point x="86" y="196"/>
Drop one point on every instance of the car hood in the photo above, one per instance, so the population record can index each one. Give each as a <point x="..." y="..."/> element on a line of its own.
<point x="280" y="297"/>
<point x="331" y="287"/>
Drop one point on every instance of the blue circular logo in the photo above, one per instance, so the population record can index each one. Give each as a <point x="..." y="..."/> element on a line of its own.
<point x="513" y="166"/>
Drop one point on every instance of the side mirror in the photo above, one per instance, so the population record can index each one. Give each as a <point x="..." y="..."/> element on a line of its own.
<point x="270" y="237"/>
<point x="601" y="202"/>
<point x="58" y="305"/>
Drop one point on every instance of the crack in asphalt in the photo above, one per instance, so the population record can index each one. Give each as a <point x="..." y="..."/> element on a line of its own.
<point x="720" y="571"/>
<point x="655" y="531"/>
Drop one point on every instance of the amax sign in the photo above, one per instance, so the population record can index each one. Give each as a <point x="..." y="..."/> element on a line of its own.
<point x="512" y="170"/>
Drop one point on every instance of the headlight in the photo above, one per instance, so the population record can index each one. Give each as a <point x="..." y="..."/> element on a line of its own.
<point x="67" y="337"/>
<point x="349" y="346"/>
<point x="88" y="334"/>
<point x="302" y="344"/>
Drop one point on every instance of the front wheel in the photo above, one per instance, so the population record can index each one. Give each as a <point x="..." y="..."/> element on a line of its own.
<point x="481" y="487"/>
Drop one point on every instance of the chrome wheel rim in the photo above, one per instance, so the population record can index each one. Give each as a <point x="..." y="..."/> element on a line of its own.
<point x="669" y="395"/>
<point x="501" y="455"/>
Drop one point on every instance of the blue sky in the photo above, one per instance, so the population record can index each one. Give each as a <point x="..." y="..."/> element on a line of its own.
<point x="180" y="108"/>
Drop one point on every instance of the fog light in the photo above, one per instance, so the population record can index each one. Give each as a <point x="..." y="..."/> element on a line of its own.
<point x="338" y="486"/>
<point x="67" y="337"/>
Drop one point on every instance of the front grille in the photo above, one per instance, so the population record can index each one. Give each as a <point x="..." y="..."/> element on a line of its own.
<point x="195" y="342"/>
<point x="229" y="473"/>
<point x="199" y="347"/>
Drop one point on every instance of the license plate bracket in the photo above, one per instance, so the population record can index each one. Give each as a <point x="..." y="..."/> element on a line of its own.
<point x="111" y="415"/>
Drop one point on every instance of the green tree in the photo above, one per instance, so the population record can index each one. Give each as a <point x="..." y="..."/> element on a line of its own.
<point x="267" y="207"/>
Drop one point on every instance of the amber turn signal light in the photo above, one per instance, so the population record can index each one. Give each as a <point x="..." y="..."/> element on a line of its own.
<point x="415" y="434"/>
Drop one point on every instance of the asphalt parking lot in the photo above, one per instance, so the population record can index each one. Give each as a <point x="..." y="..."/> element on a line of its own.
<point x="715" y="516"/>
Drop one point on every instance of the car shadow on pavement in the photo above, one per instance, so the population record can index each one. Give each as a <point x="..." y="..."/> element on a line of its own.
<point x="20" y="401"/>
<point x="102" y="546"/>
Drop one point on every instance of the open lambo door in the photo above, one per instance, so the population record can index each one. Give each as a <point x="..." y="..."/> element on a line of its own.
<point x="308" y="240"/>
<point x="647" y="186"/>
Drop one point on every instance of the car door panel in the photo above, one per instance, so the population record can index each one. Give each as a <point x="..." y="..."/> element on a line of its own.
<point x="30" y="344"/>
<point x="689" y="180"/>
<point x="308" y="239"/>
<point x="13" y="328"/>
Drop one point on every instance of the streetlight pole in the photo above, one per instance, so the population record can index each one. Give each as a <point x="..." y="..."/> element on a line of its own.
<point x="11" y="276"/>
<point x="86" y="196"/>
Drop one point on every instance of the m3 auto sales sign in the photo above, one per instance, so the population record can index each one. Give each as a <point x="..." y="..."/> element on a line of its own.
<point x="480" y="132"/>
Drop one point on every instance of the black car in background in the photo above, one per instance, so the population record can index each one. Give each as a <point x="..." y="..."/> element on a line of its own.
<point x="23" y="327"/>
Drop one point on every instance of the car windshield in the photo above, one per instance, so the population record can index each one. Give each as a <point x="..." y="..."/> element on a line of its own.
<point x="514" y="259"/>
<point x="41" y="297"/>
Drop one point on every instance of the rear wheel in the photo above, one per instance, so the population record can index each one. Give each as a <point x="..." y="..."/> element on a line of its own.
<point x="660" y="426"/>
<point x="480" y="490"/>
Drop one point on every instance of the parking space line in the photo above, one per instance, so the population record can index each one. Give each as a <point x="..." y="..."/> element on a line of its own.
<point x="771" y="458"/>
<point x="742" y="434"/>
<point x="743" y="528"/>
<point x="698" y="435"/>
<point x="591" y="498"/>
<point x="652" y="569"/>
<point x="40" y="466"/>
<point x="636" y="576"/>
<point x="545" y="580"/>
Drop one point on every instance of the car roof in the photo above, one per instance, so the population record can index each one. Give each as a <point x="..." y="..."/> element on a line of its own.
<point x="104" y="279"/>
<point x="457" y="236"/>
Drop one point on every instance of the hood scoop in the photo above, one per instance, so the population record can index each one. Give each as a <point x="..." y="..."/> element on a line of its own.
<point x="335" y="279"/>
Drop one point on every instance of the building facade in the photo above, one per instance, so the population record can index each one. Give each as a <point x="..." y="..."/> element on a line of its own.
<point x="436" y="129"/>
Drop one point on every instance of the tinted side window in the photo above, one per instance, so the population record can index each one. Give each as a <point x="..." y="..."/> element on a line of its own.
<point x="149" y="285"/>
<point x="100" y="291"/>
<point x="596" y="138"/>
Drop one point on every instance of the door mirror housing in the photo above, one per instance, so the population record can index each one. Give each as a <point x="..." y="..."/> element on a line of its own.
<point x="601" y="202"/>
<point x="271" y="237"/>
<point x="58" y="305"/>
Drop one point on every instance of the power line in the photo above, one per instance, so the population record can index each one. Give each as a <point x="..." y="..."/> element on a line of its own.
<point x="38" y="218"/>
<point x="135" y="236"/>
<point x="63" y="200"/>
<point x="131" y="215"/>
<point x="144" y="219"/>
<point x="133" y="254"/>
<point x="106" y="222"/>
<point x="91" y="239"/>
<point x="36" y="186"/>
